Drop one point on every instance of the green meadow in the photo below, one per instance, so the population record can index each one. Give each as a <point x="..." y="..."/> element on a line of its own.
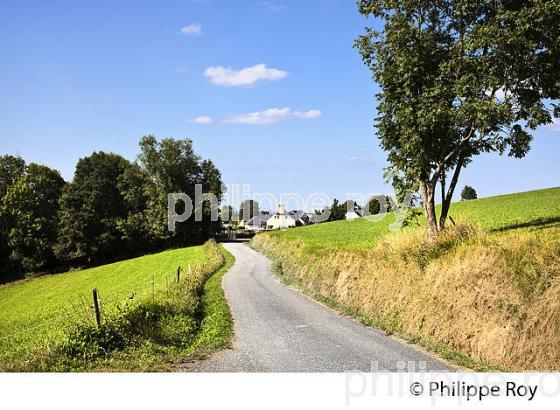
<point x="37" y="313"/>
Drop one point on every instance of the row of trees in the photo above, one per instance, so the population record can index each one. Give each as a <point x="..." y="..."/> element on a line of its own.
<point x="112" y="209"/>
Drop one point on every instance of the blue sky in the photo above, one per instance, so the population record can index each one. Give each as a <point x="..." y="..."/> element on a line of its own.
<point x="79" y="76"/>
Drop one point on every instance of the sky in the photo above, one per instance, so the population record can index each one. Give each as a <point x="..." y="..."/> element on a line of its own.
<point x="272" y="91"/>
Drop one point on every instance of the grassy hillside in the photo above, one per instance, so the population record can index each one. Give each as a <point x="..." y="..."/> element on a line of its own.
<point x="535" y="209"/>
<point x="538" y="209"/>
<point x="37" y="314"/>
<point x="485" y="294"/>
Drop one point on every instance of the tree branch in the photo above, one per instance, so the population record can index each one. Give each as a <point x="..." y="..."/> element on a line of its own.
<point x="453" y="152"/>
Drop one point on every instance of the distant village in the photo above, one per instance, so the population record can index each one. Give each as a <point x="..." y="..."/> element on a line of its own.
<point x="282" y="219"/>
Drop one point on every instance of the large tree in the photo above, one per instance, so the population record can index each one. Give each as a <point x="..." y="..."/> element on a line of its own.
<point x="459" y="78"/>
<point x="32" y="205"/>
<point x="91" y="207"/>
<point x="11" y="169"/>
<point x="171" y="166"/>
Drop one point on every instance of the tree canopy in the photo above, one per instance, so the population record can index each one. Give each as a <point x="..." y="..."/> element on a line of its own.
<point x="31" y="203"/>
<point x="90" y="208"/>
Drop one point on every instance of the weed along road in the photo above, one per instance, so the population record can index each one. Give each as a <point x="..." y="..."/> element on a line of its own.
<point x="279" y="330"/>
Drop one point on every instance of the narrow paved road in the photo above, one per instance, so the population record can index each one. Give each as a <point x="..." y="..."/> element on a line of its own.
<point x="279" y="330"/>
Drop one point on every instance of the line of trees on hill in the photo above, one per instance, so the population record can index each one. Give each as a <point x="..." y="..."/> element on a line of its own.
<point x="112" y="209"/>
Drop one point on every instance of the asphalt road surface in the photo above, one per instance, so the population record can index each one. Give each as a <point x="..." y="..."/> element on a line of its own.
<point x="277" y="329"/>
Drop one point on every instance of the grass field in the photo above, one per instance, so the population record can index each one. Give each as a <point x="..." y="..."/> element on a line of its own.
<point x="485" y="294"/>
<point x="36" y="313"/>
<point x="533" y="209"/>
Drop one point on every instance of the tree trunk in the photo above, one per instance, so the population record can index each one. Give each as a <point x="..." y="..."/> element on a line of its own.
<point x="428" y="203"/>
<point x="446" y="203"/>
<point x="442" y="183"/>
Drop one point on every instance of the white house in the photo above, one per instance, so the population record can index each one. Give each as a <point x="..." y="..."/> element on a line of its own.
<point x="281" y="220"/>
<point x="258" y="223"/>
<point x="355" y="213"/>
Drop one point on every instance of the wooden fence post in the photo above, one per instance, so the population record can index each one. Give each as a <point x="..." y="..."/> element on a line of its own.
<point x="96" y="307"/>
<point x="178" y="274"/>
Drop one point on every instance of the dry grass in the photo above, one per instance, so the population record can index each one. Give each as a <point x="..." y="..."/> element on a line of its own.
<point x="492" y="296"/>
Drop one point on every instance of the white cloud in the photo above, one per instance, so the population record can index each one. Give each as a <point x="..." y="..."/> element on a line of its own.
<point x="273" y="7"/>
<point x="194" y="29"/>
<point x="270" y="116"/>
<point x="203" y="120"/>
<point x="308" y="115"/>
<point x="246" y="76"/>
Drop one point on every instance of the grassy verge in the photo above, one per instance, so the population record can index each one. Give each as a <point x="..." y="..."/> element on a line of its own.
<point x="216" y="328"/>
<point x="145" y="332"/>
<point x="453" y="356"/>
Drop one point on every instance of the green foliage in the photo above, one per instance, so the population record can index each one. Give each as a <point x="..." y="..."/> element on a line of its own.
<point x="459" y="78"/>
<point x="337" y="211"/>
<point x="140" y="331"/>
<point x="90" y="208"/>
<point x="217" y="326"/>
<point x="29" y="211"/>
<point x="171" y="320"/>
<point x="11" y="169"/>
<point x="227" y="215"/>
<point x="375" y="204"/>
<point x="171" y="166"/>
<point x="468" y="193"/>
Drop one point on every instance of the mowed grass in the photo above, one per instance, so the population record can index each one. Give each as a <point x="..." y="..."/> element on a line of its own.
<point x="534" y="209"/>
<point x="36" y="313"/>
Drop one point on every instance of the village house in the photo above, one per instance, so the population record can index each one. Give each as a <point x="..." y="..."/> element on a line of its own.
<point x="355" y="213"/>
<point x="258" y="223"/>
<point x="266" y="221"/>
<point x="281" y="220"/>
